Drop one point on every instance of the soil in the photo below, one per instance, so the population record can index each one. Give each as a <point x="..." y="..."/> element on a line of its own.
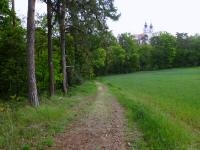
<point x="102" y="128"/>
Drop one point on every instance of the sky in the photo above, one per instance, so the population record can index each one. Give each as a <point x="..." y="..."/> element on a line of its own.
<point x="165" y="15"/>
<point x="21" y="7"/>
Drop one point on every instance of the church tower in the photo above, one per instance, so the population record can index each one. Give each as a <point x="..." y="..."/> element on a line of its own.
<point x="148" y="33"/>
<point x="145" y="28"/>
<point x="151" y="28"/>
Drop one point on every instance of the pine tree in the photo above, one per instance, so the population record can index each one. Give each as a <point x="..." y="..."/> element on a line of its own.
<point x="50" y="53"/>
<point x="33" y="95"/>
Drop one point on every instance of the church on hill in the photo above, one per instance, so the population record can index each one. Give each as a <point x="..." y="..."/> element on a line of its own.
<point x="148" y="33"/>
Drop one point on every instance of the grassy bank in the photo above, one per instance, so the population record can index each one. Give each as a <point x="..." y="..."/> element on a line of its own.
<point x="27" y="127"/>
<point x="165" y="104"/>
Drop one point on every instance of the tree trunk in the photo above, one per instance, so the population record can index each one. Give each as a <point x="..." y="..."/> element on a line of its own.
<point x="33" y="95"/>
<point x="50" y="55"/>
<point x="62" y="40"/>
<point x="13" y="12"/>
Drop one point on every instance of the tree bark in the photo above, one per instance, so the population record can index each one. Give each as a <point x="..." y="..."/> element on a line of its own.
<point x="50" y="53"/>
<point x="13" y="12"/>
<point x="33" y="95"/>
<point x="62" y="40"/>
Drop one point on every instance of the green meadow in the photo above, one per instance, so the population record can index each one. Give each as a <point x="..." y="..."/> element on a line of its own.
<point x="165" y="105"/>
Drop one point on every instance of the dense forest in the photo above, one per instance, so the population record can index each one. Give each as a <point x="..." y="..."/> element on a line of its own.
<point x="72" y="43"/>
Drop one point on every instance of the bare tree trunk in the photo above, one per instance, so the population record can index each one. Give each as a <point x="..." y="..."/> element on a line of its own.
<point x="33" y="95"/>
<point x="13" y="12"/>
<point x="50" y="55"/>
<point x="62" y="40"/>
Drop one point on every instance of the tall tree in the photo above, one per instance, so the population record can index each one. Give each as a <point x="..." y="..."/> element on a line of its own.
<point x="62" y="40"/>
<point x="50" y="61"/>
<point x="33" y="94"/>
<point x="13" y="13"/>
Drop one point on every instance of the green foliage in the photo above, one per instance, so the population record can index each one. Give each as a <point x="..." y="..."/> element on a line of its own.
<point x="145" y="57"/>
<point x="99" y="58"/>
<point x="4" y="6"/>
<point x="41" y="59"/>
<point x="42" y="71"/>
<point x="115" y="58"/>
<point x="13" y="61"/>
<point x="131" y="47"/>
<point x="70" y="50"/>
<point x="46" y="142"/>
<point x="25" y="147"/>
<point x="4" y="13"/>
<point x="165" y="50"/>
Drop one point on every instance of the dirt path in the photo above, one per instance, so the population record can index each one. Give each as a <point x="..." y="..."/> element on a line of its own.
<point x="102" y="128"/>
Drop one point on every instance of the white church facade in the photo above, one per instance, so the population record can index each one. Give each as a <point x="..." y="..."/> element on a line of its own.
<point x="148" y="33"/>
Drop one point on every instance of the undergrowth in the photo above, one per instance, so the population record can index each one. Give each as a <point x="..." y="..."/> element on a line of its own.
<point x="25" y="127"/>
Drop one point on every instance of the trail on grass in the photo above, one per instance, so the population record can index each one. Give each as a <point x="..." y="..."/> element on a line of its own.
<point x="101" y="128"/>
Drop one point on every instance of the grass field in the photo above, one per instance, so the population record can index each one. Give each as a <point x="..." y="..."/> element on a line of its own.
<point x="164" y="104"/>
<point x="25" y="127"/>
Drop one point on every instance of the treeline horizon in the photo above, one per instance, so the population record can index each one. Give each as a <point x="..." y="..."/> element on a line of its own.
<point x="74" y="43"/>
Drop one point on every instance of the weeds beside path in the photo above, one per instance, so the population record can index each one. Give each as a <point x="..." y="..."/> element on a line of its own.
<point x="28" y="128"/>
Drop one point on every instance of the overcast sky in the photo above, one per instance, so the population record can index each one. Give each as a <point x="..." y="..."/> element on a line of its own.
<point x="165" y="15"/>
